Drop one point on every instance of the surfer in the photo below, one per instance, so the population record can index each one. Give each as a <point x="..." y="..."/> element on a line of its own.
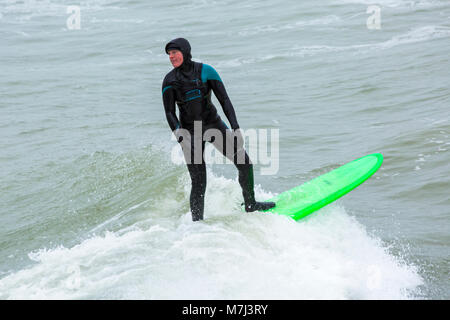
<point x="189" y="85"/>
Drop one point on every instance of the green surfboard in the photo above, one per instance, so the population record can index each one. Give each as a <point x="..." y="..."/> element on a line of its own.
<point x="303" y="200"/>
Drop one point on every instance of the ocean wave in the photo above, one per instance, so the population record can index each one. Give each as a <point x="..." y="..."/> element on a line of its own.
<point x="397" y="3"/>
<point x="326" y="256"/>
<point x="421" y="34"/>
<point x="330" y="19"/>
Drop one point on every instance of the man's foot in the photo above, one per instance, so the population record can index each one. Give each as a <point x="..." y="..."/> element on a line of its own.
<point x="259" y="206"/>
<point x="197" y="216"/>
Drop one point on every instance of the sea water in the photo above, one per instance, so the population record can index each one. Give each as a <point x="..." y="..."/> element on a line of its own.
<point x="94" y="207"/>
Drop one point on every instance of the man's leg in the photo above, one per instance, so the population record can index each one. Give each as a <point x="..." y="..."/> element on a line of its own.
<point x="198" y="189"/>
<point x="197" y="172"/>
<point x="233" y="149"/>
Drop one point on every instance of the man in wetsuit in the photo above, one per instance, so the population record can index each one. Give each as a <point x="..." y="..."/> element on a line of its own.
<point x="189" y="85"/>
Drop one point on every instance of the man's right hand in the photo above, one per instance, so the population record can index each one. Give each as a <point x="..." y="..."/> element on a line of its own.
<point x="178" y="135"/>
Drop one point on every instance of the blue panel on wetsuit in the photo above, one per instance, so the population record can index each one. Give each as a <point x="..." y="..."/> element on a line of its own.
<point x="208" y="73"/>
<point x="192" y="94"/>
<point x="165" y="88"/>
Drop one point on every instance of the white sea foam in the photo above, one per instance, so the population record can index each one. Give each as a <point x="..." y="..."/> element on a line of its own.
<point x="229" y="255"/>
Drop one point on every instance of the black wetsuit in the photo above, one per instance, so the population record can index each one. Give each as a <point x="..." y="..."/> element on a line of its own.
<point x="190" y="86"/>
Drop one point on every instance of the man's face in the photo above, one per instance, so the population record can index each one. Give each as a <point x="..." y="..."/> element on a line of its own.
<point x="176" y="58"/>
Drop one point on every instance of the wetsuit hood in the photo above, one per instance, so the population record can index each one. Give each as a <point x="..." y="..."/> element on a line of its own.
<point x="182" y="45"/>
